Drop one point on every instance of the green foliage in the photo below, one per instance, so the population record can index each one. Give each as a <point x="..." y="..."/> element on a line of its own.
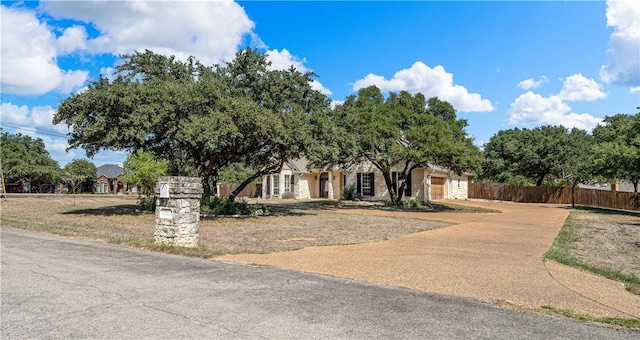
<point x="203" y="119"/>
<point x="538" y="156"/>
<point x="142" y="169"/>
<point x="235" y="173"/>
<point x="224" y="206"/>
<point x="81" y="173"/>
<point x="25" y="159"/>
<point x="349" y="192"/>
<point x="400" y="134"/>
<point x="410" y="204"/>
<point x="148" y="203"/>
<point x="617" y="152"/>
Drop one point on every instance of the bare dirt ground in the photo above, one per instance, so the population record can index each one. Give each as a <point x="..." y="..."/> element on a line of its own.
<point x="291" y="226"/>
<point x="610" y="239"/>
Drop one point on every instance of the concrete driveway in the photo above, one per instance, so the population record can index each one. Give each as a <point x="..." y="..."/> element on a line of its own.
<point x="53" y="287"/>
<point x="491" y="257"/>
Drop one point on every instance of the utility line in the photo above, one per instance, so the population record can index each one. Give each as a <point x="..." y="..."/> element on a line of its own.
<point x="32" y="129"/>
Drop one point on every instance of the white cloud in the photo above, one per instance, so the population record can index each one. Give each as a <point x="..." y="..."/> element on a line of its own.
<point x="623" y="67"/>
<point x="282" y="60"/>
<point x="335" y="103"/>
<point x="432" y="82"/>
<point x="534" y="108"/>
<point x="28" y="56"/>
<point x="529" y="84"/>
<point x="36" y="118"/>
<point x="73" y="38"/>
<point x="580" y="88"/>
<point x="209" y="30"/>
<point x="634" y="90"/>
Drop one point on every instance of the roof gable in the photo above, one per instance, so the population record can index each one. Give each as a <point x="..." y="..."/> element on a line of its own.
<point x="109" y="171"/>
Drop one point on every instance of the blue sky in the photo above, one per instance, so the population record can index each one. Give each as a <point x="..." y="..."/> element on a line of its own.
<point x="501" y="64"/>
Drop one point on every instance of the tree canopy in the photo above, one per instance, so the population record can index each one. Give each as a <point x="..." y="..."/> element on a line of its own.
<point x="81" y="173"/>
<point x="401" y="133"/>
<point x="617" y="152"/>
<point x="199" y="117"/>
<point x="24" y="158"/>
<point x="539" y="155"/>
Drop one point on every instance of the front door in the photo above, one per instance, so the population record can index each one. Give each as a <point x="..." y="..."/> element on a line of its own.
<point x="324" y="191"/>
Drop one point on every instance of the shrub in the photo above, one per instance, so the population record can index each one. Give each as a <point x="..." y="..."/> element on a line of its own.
<point x="413" y="204"/>
<point x="148" y="203"/>
<point x="223" y="206"/>
<point x="349" y="192"/>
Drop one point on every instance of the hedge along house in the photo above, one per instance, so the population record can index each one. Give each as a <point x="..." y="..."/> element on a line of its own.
<point x="295" y="180"/>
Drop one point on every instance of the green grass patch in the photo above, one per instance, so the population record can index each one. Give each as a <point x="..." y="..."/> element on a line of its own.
<point x="619" y="322"/>
<point x="560" y="251"/>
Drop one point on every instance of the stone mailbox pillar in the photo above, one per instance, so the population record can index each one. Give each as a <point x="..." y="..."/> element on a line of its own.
<point x="178" y="210"/>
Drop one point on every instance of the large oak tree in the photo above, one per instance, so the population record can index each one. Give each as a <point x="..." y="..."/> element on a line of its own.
<point x="400" y="134"/>
<point x="200" y="118"/>
<point x="617" y="152"/>
<point x="539" y="155"/>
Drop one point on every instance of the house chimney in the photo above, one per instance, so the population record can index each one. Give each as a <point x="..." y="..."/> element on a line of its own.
<point x="615" y="186"/>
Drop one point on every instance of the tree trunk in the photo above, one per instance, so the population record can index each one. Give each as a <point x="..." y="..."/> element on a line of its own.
<point x="389" y="183"/>
<point x="238" y="190"/>
<point x="268" y="170"/>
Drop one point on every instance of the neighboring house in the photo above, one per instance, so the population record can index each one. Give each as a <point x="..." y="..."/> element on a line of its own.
<point x="295" y="180"/>
<point x="109" y="180"/>
<point x="624" y="186"/>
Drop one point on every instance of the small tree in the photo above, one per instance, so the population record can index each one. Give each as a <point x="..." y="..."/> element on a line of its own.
<point x="82" y="173"/>
<point x="143" y="170"/>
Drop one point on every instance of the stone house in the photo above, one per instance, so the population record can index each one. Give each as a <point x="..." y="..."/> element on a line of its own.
<point x="296" y="180"/>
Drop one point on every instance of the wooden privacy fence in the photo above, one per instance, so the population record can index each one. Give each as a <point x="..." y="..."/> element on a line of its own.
<point x="558" y="195"/>
<point x="252" y="190"/>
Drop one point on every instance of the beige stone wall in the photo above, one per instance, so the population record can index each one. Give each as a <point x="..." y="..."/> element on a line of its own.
<point x="178" y="215"/>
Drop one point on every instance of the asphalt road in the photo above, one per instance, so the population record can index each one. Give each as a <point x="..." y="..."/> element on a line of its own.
<point x="53" y="287"/>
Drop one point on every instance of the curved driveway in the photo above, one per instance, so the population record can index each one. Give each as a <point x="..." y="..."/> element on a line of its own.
<point x="491" y="257"/>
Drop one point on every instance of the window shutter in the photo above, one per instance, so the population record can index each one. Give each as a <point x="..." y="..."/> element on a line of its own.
<point x="292" y="181"/>
<point x="359" y="183"/>
<point x="407" y="187"/>
<point x="373" y="188"/>
<point x="268" y="184"/>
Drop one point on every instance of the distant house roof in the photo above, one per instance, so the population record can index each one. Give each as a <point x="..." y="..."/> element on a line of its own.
<point x="109" y="171"/>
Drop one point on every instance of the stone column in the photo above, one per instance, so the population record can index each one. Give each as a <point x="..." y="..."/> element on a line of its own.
<point x="178" y="211"/>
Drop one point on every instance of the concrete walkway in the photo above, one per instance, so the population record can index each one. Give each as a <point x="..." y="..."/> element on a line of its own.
<point x="492" y="257"/>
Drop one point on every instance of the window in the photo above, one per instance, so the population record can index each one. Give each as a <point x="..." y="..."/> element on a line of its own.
<point x="365" y="183"/>
<point x="287" y="183"/>
<point x="276" y="184"/>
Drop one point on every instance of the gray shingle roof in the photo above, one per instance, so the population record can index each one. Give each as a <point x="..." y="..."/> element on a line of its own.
<point x="109" y="171"/>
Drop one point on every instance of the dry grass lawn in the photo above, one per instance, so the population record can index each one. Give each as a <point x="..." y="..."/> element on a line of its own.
<point x="114" y="219"/>
<point x="608" y="239"/>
